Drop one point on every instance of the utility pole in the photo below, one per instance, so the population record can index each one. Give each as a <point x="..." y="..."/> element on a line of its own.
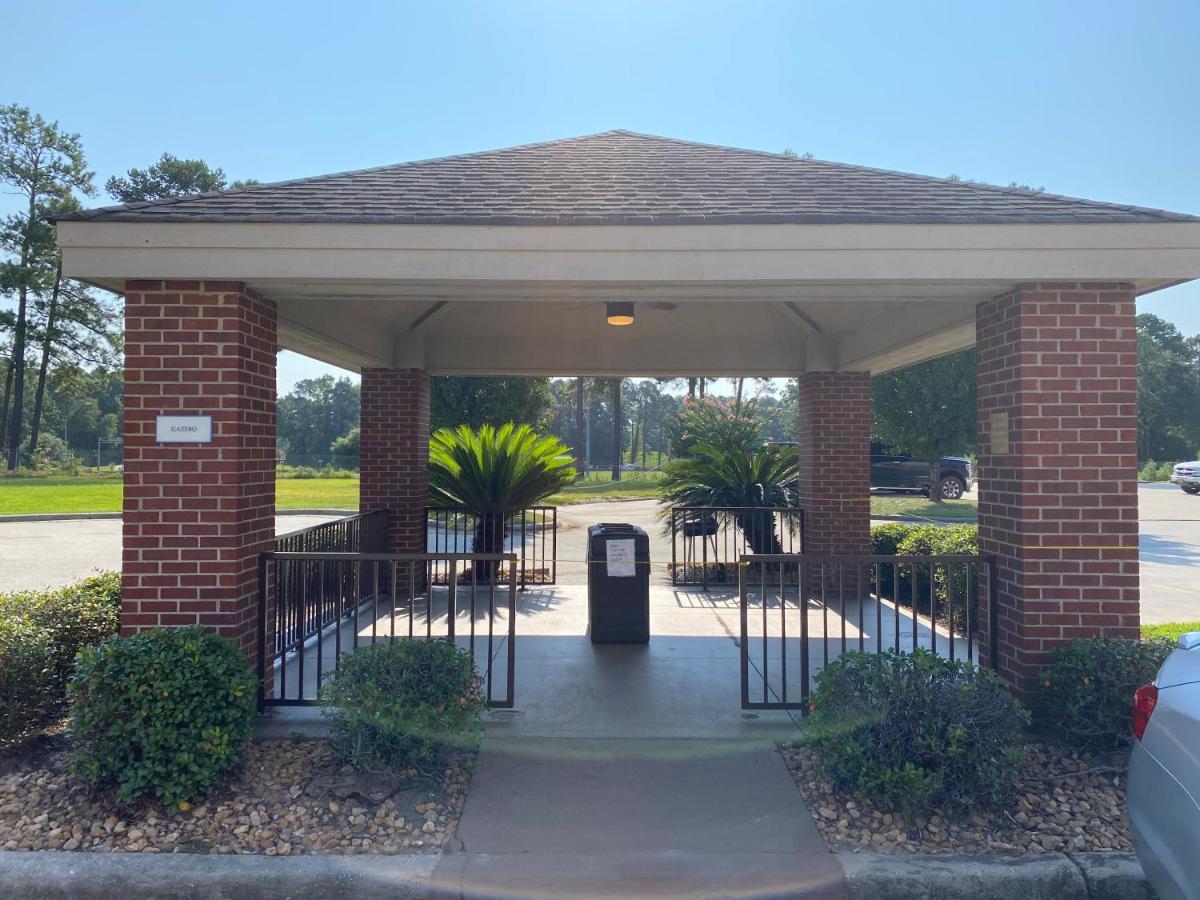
<point x="580" y="439"/>
<point x="618" y="429"/>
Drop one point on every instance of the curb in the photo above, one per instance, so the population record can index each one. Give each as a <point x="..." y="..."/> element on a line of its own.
<point x="55" y="874"/>
<point x="58" y="517"/>
<point x="1050" y="876"/>
<point x="925" y="520"/>
<point x="65" y="517"/>
<point x="316" y="512"/>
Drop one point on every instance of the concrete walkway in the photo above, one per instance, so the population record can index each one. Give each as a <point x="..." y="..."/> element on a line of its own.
<point x="631" y="770"/>
<point x="636" y="818"/>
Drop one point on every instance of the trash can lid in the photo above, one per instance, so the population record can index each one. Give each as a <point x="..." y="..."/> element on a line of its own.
<point x="616" y="528"/>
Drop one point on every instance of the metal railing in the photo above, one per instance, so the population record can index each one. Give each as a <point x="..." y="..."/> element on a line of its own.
<point x="364" y="533"/>
<point x="876" y="603"/>
<point x="708" y="541"/>
<point x="316" y="606"/>
<point x="530" y="534"/>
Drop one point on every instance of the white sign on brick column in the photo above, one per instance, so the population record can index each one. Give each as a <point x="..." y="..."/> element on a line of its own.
<point x="183" y="429"/>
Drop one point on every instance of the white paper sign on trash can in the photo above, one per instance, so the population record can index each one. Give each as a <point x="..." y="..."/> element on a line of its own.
<point x="621" y="559"/>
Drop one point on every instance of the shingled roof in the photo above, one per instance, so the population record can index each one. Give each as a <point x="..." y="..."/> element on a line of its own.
<point x="622" y="178"/>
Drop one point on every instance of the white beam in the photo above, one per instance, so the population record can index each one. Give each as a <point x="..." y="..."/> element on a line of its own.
<point x="891" y="342"/>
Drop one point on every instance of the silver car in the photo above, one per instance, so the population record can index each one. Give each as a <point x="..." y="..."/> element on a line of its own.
<point x="1164" y="774"/>
<point x="1187" y="476"/>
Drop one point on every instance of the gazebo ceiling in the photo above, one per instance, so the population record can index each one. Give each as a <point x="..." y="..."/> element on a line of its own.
<point x="740" y="262"/>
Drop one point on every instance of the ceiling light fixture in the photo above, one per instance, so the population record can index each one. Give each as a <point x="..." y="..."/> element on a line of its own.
<point x="620" y="313"/>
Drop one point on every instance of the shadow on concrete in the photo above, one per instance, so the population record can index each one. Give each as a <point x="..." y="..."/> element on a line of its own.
<point x="1156" y="549"/>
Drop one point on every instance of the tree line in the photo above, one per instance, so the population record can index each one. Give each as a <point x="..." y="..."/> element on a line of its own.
<point x="61" y="340"/>
<point x="61" y="346"/>
<point x="317" y="421"/>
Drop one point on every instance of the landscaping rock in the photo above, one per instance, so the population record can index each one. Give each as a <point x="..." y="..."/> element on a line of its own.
<point x="43" y="807"/>
<point x="1064" y="803"/>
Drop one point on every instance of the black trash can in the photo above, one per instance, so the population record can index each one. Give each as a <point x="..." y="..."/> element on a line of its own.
<point x="618" y="558"/>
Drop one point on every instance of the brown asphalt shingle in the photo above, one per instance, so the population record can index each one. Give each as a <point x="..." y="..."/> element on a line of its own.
<point x="620" y="178"/>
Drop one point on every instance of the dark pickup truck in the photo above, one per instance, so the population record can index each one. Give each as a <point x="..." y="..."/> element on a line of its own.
<point x="895" y="471"/>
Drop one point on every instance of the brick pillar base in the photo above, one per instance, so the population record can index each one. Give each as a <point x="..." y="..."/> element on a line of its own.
<point x="394" y="429"/>
<point x="1057" y="377"/>
<point x="196" y="516"/>
<point x="835" y="461"/>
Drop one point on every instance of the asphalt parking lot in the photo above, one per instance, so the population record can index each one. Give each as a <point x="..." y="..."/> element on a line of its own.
<point x="47" y="554"/>
<point x="1170" y="551"/>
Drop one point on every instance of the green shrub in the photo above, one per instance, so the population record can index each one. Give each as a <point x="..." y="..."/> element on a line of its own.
<point x="940" y="540"/>
<point x="72" y="617"/>
<point x="951" y="586"/>
<point x="404" y="704"/>
<point x="1087" y="688"/>
<point x="887" y="537"/>
<point x="1155" y="471"/>
<point x="163" y="713"/>
<point x="287" y="471"/>
<point x="30" y="692"/>
<point x="40" y="634"/>
<point x="917" y="732"/>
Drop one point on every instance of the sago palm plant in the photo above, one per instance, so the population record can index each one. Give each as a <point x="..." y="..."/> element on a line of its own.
<point x="491" y="472"/>
<point x="755" y="481"/>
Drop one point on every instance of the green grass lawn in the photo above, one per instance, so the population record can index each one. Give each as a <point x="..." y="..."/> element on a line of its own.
<point x="92" y="493"/>
<point x="1171" y="631"/>
<point x="600" y="486"/>
<point x="102" y="493"/>
<point x="919" y="507"/>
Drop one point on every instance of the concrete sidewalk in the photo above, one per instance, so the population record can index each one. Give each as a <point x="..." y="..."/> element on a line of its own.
<point x="636" y="817"/>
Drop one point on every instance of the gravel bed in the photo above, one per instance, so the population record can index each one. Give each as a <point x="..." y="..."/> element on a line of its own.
<point x="1064" y="803"/>
<point x="288" y="798"/>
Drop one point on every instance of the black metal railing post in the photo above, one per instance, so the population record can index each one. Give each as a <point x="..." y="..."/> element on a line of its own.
<point x="263" y="599"/>
<point x="930" y="592"/>
<point x="333" y="594"/>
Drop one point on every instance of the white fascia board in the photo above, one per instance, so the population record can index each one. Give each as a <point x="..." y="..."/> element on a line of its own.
<point x="107" y="251"/>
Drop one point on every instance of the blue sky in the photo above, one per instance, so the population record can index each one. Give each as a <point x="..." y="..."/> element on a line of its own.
<point x="1093" y="99"/>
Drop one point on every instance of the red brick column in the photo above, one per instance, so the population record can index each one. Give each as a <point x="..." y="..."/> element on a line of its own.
<point x="1057" y="378"/>
<point x="394" y="429"/>
<point x="835" y="461"/>
<point x="196" y="516"/>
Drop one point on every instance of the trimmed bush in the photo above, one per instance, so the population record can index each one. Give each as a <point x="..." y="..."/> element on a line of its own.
<point x="951" y="587"/>
<point x="402" y="705"/>
<point x="29" y="689"/>
<point x="40" y="635"/>
<point x="1156" y="471"/>
<point x="163" y="713"/>
<point x="940" y="540"/>
<point x="917" y="732"/>
<point x="1087" y="688"/>
<point x="887" y="537"/>
<point x="72" y="617"/>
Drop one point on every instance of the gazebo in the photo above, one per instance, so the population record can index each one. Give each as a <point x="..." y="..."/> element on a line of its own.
<point x="737" y="263"/>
